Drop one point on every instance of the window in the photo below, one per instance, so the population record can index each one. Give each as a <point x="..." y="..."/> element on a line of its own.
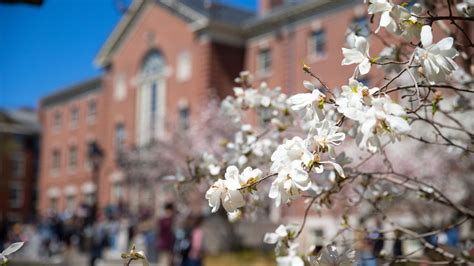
<point x="70" y="202"/>
<point x="119" y="137"/>
<point x="17" y="164"/>
<point x="317" y="43"/>
<point x="72" y="158"/>
<point x="151" y="98"/>
<point x="264" y="61"/>
<point x="153" y="109"/>
<point x="91" y="111"/>
<point x="57" y="120"/>
<point x="53" y="204"/>
<point x="74" y="117"/>
<point x="15" y="195"/>
<point x="117" y="191"/>
<point x="360" y="26"/>
<point x="56" y="161"/>
<point x="183" y="72"/>
<point x="184" y="117"/>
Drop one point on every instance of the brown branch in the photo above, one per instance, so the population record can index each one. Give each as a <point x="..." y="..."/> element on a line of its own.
<point x="306" y="212"/>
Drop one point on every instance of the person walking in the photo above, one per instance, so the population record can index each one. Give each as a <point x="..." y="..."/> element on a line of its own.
<point x="166" y="237"/>
<point x="196" y="252"/>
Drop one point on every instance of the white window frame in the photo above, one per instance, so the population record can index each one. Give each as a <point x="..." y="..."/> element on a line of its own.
<point x="91" y="116"/>
<point x="73" y="117"/>
<point x="57" y="120"/>
<point x="262" y="70"/>
<point x="55" y="169"/>
<point x="72" y="167"/>
<point x="184" y="66"/>
<point x="313" y="54"/>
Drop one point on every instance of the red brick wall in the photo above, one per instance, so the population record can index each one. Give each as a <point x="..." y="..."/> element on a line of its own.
<point x="62" y="139"/>
<point x="289" y="49"/>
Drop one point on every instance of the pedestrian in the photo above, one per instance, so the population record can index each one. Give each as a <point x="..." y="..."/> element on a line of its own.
<point x="196" y="252"/>
<point x="397" y="246"/>
<point x="165" y="236"/>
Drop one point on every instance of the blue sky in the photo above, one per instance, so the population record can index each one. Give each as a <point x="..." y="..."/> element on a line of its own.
<point x="43" y="49"/>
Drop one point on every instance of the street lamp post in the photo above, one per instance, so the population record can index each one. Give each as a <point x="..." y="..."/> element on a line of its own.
<point x="96" y="156"/>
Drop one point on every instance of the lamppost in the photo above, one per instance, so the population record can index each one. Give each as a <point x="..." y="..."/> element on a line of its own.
<point x="96" y="156"/>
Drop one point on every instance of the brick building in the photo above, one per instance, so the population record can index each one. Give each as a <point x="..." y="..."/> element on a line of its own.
<point x="161" y="61"/>
<point x="19" y="143"/>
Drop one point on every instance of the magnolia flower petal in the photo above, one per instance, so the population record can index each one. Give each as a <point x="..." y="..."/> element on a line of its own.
<point x="426" y="36"/>
<point x="233" y="200"/>
<point x="445" y="43"/>
<point x="398" y="124"/>
<point x="352" y="56"/>
<point x="12" y="248"/>
<point x="364" y="66"/>
<point x="308" y="85"/>
<point x="271" y="238"/>
<point x="337" y="167"/>
<point x="385" y="19"/>
<point x="281" y="231"/>
<point x="231" y="172"/>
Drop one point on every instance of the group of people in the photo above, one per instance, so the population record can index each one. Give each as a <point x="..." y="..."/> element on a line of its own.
<point x="107" y="233"/>
<point x="183" y="247"/>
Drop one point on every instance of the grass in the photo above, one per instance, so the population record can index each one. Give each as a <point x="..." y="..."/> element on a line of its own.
<point x="244" y="258"/>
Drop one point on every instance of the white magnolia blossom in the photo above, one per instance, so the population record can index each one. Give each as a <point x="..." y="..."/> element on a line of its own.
<point x="311" y="165"/>
<point x="280" y="234"/>
<point x="436" y="59"/>
<point x="325" y="136"/>
<point x="292" y="258"/>
<point x="294" y="149"/>
<point x="353" y="99"/>
<point x="291" y="180"/>
<point x="285" y="248"/>
<point x="466" y="8"/>
<point x="249" y="176"/>
<point x="384" y="116"/>
<point x="226" y="191"/>
<point x="384" y="7"/>
<point x="309" y="102"/>
<point x="409" y="21"/>
<point x="358" y="54"/>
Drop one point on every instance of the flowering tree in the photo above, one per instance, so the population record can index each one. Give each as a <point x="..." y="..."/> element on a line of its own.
<point x="401" y="149"/>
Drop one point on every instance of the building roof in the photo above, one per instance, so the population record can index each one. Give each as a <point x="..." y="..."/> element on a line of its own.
<point x="72" y="92"/>
<point x="19" y="121"/>
<point x="235" y="22"/>
<point x="196" y="12"/>
<point x="220" y="12"/>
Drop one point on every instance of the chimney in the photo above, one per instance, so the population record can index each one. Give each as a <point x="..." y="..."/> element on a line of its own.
<point x="265" y="6"/>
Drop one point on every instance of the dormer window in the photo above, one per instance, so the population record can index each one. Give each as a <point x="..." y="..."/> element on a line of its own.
<point x="264" y="61"/>
<point x="57" y="120"/>
<point x="91" y="111"/>
<point x="74" y="117"/>
<point x="317" y="43"/>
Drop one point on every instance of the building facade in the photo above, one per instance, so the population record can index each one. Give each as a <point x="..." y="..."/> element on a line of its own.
<point x="163" y="59"/>
<point x="19" y="151"/>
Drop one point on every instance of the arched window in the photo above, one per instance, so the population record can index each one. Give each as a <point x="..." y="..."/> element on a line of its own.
<point x="151" y="98"/>
<point x="153" y="65"/>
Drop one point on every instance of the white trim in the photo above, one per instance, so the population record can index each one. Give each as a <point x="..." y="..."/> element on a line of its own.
<point x="53" y="192"/>
<point x="88" y="188"/>
<point x="70" y="190"/>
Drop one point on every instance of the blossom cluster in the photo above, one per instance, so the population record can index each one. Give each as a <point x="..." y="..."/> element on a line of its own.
<point x="325" y="121"/>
